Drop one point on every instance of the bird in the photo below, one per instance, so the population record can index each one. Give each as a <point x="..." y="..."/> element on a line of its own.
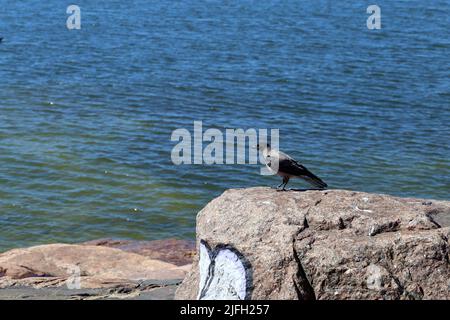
<point x="288" y="168"/>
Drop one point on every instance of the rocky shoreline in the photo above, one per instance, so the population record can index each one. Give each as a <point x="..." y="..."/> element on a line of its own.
<point x="257" y="243"/>
<point x="99" y="269"/>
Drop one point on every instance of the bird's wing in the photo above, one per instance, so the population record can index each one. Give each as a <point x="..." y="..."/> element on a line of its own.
<point x="292" y="167"/>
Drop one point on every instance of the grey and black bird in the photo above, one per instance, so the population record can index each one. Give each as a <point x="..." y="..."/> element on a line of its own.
<point x="288" y="168"/>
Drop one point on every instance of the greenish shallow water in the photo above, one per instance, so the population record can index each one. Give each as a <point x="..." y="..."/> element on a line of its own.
<point x="86" y="116"/>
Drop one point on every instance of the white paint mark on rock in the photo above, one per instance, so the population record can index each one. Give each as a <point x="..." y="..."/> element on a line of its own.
<point x="223" y="275"/>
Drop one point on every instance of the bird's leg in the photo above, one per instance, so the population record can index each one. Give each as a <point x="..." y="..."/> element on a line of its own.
<point x="286" y="180"/>
<point x="282" y="182"/>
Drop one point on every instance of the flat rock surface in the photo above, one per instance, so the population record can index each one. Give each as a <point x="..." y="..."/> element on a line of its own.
<point x="178" y="252"/>
<point x="103" y="268"/>
<point x="331" y="244"/>
<point x="147" y="291"/>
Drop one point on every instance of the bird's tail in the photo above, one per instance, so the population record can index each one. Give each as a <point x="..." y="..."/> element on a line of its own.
<point x="315" y="181"/>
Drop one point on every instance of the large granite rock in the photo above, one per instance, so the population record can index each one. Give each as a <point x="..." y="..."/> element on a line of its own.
<point x="262" y="244"/>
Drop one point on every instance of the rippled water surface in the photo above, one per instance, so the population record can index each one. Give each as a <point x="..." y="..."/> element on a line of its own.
<point x="86" y="115"/>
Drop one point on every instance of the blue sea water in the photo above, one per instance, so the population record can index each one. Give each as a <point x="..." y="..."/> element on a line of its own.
<point x="86" y="115"/>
